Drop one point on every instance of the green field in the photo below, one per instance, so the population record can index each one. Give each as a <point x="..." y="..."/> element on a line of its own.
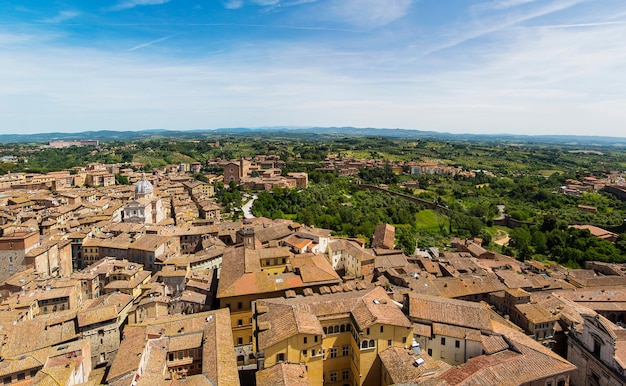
<point x="429" y="219"/>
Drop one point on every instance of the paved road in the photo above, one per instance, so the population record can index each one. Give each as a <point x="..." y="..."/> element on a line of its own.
<point x="247" y="208"/>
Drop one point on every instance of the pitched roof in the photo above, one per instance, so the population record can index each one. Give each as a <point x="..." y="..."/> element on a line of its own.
<point x="287" y="317"/>
<point x="384" y="236"/>
<point x="525" y="361"/>
<point x="283" y="374"/>
<point x="438" y="309"/>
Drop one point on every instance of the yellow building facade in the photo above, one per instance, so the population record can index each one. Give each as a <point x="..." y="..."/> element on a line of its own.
<point x="336" y="336"/>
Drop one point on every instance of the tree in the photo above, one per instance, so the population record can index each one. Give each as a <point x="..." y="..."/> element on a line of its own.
<point x="121" y="180"/>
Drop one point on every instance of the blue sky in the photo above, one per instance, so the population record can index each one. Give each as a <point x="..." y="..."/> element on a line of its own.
<point x="459" y="66"/>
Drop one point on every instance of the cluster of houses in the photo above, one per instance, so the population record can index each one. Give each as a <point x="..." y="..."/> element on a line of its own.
<point x="145" y="284"/>
<point x="347" y="166"/>
<point x="613" y="182"/>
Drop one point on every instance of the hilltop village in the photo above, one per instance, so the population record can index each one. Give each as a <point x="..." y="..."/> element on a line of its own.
<point x="145" y="284"/>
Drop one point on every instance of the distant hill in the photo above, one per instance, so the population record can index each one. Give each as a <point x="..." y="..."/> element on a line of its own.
<point x="310" y="133"/>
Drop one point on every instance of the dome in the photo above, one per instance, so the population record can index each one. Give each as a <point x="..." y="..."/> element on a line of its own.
<point x="143" y="187"/>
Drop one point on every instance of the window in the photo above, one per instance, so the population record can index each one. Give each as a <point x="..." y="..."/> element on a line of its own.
<point x="333" y="352"/>
<point x="404" y="339"/>
<point x="430" y="352"/>
<point x="6" y="380"/>
<point x="239" y="341"/>
<point x="280" y="357"/>
<point x="325" y="331"/>
<point x="342" y="328"/>
<point x="239" y="305"/>
<point x="597" y="346"/>
<point x="443" y="341"/>
<point x="312" y="353"/>
<point x="364" y="344"/>
<point x="381" y="328"/>
<point x="316" y="338"/>
<point x="345" y="374"/>
<point x="367" y="331"/>
<point x="333" y="376"/>
<point x="304" y="353"/>
<point x="388" y="342"/>
<point x="239" y="322"/>
<point x="457" y="344"/>
<point x="336" y="329"/>
<point x="345" y="350"/>
<point x="180" y="355"/>
<point x="305" y="340"/>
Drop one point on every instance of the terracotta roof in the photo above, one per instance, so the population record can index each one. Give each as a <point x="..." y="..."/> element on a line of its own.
<point x="273" y="232"/>
<point x="49" y="329"/>
<point x="400" y="364"/>
<point x="535" y="313"/>
<point x="209" y="330"/>
<point x="314" y="269"/>
<point x="449" y="311"/>
<point x="456" y="331"/>
<point x="287" y="317"/>
<point x="283" y="374"/>
<point x="97" y="315"/>
<point x="526" y="362"/>
<point x="129" y="353"/>
<point x="185" y="341"/>
<point x="286" y="321"/>
<point x="384" y="236"/>
<point x="241" y="274"/>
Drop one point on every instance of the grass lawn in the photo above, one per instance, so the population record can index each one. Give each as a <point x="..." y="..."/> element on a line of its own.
<point x="429" y="219"/>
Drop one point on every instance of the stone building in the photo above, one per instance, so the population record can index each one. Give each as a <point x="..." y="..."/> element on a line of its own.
<point x="13" y="249"/>
<point x="145" y="208"/>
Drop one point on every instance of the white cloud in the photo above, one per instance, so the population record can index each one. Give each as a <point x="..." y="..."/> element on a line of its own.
<point x="61" y="17"/>
<point x="532" y="80"/>
<point x="127" y="4"/>
<point x="489" y="25"/>
<point x="233" y="4"/>
<point x="266" y="3"/>
<point x="502" y="4"/>
<point x="147" y="44"/>
<point x="368" y="13"/>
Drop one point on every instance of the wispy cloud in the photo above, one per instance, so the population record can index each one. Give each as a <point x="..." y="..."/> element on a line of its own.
<point x="143" y="45"/>
<point x="61" y="17"/>
<point x="233" y="4"/>
<point x="491" y="24"/>
<point x="368" y="13"/>
<point x="269" y="5"/>
<point x="127" y="4"/>
<point x="502" y="4"/>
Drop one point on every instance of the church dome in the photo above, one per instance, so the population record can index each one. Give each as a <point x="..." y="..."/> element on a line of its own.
<point x="143" y="187"/>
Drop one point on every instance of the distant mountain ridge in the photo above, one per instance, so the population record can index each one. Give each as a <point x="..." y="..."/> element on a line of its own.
<point x="309" y="133"/>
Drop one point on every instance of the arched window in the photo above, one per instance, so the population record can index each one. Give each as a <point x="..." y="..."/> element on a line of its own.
<point x="342" y="328"/>
<point x="372" y="344"/>
<point x="336" y="329"/>
<point x="325" y="331"/>
<point x="364" y="344"/>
